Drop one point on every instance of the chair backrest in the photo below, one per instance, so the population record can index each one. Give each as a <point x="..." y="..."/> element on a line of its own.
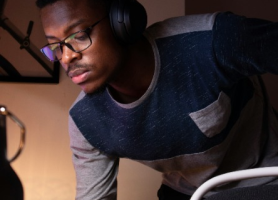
<point x="252" y="192"/>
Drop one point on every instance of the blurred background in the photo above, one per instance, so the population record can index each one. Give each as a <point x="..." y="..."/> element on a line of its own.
<point x="45" y="167"/>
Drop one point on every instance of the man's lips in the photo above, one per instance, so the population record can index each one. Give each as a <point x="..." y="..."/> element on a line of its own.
<point x="78" y="75"/>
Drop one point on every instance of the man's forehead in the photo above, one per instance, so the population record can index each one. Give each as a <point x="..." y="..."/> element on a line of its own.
<point x="64" y="13"/>
<point x="64" y="8"/>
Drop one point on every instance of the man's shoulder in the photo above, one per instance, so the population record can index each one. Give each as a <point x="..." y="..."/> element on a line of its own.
<point x="182" y="24"/>
<point x="85" y="102"/>
<point x="79" y="97"/>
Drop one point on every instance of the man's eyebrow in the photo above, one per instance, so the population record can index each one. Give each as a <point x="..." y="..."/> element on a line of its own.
<point x="71" y="26"/>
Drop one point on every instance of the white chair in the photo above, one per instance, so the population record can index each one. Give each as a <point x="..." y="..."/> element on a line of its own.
<point x="270" y="192"/>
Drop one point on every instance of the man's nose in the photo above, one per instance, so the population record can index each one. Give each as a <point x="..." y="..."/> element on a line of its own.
<point x="69" y="56"/>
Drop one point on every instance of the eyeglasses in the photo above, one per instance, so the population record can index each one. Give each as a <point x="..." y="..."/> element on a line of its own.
<point x="76" y="42"/>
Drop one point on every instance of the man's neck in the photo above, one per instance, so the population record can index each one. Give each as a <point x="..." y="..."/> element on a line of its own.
<point x="134" y="79"/>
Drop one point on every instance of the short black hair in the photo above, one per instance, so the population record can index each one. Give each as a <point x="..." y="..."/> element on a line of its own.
<point x="42" y="3"/>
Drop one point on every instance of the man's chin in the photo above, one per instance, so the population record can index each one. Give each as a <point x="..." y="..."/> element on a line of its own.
<point x="92" y="90"/>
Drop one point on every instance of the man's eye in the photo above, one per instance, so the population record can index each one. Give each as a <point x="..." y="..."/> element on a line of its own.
<point x="81" y="36"/>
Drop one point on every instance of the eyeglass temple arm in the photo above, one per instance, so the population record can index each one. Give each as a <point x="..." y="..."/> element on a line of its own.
<point x="5" y="112"/>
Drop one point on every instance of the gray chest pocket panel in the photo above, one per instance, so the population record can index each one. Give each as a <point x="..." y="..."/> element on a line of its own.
<point x="212" y="119"/>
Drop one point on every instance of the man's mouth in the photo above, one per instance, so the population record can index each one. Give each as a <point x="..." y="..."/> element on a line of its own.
<point x="79" y="75"/>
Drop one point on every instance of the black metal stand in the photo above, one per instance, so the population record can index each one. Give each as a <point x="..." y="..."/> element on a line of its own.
<point x="13" y="75"/>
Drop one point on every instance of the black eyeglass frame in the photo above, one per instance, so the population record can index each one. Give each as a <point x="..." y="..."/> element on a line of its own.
<point x="62" y="43"/>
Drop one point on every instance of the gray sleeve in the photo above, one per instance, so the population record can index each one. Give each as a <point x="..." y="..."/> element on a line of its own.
<point x="96" y="173"/>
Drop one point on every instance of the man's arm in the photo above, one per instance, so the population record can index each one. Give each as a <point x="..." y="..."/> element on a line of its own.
<point x="96" y="173"/>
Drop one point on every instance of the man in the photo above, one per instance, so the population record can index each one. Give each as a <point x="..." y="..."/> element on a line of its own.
<point x="182" y="98"/>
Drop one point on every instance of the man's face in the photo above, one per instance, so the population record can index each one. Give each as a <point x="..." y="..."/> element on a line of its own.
<point x="95" y="66"/>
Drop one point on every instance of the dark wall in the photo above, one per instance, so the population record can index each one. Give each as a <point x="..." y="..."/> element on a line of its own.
<point x="250" y="8"/>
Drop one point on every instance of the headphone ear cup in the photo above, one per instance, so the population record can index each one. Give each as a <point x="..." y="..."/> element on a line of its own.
<point x="128" y="19"/>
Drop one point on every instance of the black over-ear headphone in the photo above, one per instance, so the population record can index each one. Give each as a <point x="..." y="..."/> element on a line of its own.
<point x="128" y="20"/>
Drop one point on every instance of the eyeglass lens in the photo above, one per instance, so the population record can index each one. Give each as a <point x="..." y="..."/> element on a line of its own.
<point x="77" y="42"/>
